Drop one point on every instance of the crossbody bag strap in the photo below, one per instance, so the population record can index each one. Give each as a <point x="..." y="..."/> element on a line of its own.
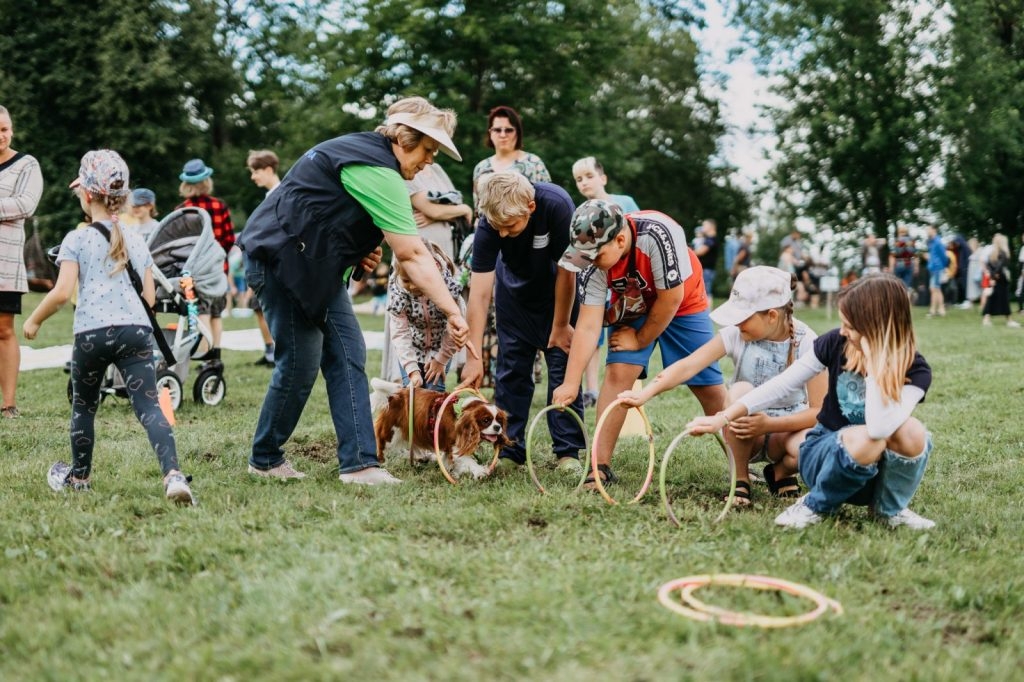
<point x="158" y="333"/>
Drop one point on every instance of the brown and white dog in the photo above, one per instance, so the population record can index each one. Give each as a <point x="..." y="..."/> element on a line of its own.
<point x="459" y="437"/>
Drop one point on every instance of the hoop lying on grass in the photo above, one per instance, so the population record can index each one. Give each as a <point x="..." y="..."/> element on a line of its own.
<point x="698" y="610"/>
<point x="529" y="447"/>
<point x="664" y="468"/>
<point x="593" y="455"/>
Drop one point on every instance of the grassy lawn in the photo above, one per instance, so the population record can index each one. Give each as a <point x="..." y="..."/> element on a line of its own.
<point x="491" y="580"/>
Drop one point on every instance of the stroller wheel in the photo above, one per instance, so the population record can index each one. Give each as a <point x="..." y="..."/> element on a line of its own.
<point x="165" y="378"/>
<point x="210" y="387"/>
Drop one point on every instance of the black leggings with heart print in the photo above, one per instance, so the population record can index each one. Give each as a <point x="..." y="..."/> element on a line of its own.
<point x="128" y="348"/>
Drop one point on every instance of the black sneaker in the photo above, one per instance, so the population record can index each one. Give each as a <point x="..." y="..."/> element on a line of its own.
<point x="264" y="361"/>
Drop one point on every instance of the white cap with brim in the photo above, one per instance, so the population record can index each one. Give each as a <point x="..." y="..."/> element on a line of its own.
<point x="429" y="125"/>
<point x="755" y="290"/>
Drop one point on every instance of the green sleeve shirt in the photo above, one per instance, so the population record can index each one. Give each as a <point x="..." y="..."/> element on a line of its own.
<point x="382" y="192"/>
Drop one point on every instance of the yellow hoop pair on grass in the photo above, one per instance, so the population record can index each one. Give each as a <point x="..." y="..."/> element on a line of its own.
<point x="691" y="607"/>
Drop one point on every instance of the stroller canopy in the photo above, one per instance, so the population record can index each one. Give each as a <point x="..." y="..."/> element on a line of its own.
<point x="184" y="241"/>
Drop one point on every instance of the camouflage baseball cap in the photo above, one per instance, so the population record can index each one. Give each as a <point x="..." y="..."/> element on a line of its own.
<point x="594" y="224"/>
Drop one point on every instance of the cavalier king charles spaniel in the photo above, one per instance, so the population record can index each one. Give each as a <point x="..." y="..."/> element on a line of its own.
<point x="459" y="436"/>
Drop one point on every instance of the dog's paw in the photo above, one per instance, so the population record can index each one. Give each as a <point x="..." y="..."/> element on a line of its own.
<point x="468" y="465"/>
<point x="423" y="456"/>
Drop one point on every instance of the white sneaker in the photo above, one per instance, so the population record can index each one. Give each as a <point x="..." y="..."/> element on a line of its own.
<point x="176" y="490"/>
<point x="910" y="519"/>
<point x="283" y="471"/>
<point x="798" y="515"/>
<point x="369" y="476"/>
<point x="1013" y="324"/>
<point x="569" y="466"/>
<point x="59" y="478"/>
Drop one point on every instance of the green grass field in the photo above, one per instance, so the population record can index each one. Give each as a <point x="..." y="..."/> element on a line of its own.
<point x="491" y="580"/>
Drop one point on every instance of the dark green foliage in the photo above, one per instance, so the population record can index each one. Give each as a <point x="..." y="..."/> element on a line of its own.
<point x="166" y="81"/>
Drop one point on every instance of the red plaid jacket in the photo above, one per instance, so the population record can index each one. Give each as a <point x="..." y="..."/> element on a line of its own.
<point x="220" y="216"/>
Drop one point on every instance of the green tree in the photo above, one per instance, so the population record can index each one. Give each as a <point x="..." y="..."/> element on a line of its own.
<point x="981" y="99"/>
<point x="617" y="80"/>
<point x="857" y="132"/>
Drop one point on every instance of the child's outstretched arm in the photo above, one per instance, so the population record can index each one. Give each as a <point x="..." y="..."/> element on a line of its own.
<point x="677" y="373"/>
<point x="67" y="279"/>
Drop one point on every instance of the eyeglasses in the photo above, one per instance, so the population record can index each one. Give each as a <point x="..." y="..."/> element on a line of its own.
<point x="503" y="131"/>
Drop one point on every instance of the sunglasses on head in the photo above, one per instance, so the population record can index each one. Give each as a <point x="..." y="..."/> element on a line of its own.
<point x="503" y="131"/>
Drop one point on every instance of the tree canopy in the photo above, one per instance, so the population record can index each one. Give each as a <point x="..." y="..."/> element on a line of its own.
<point x="165" y="81"/>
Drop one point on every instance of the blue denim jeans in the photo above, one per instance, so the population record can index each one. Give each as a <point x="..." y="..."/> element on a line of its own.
<point x="438" y="386"/>
<point x="302" y="349"/>
<point x="834" y="478"/>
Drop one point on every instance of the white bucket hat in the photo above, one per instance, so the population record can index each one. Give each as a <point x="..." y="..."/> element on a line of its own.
<point x="755" y="290"/>
<point x="429" y="125"/>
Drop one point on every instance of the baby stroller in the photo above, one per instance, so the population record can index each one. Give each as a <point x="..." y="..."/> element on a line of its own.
<point x="188" y="261"/>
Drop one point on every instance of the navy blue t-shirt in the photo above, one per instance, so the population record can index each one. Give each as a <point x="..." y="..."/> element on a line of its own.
<point x="844" y="403"/>
<point x="526" y="265"/>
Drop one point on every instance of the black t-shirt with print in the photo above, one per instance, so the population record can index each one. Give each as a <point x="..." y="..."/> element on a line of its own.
<point x="844" y="404"/>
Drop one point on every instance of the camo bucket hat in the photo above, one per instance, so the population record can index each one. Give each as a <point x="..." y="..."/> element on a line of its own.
<point x="594" y="224"/>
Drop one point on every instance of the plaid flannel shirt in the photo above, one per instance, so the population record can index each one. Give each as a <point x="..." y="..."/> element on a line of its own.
<point x="220" y="217"/>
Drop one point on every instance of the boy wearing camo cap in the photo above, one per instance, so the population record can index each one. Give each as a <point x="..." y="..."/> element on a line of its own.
<point x="657" y="297"/>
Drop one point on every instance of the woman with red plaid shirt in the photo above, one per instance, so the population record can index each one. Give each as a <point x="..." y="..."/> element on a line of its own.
<point x="196" y="188"/>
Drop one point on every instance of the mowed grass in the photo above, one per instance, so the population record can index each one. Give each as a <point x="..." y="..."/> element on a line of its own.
<point x="491" y="580"/>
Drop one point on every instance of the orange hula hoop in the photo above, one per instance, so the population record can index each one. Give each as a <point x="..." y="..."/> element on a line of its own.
<point x="593" y="455"/>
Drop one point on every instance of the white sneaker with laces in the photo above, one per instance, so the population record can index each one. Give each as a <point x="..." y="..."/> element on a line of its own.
<point x="798" y="515"/>
<point x="911" y="520"/>
<point x="176" y="490"/>
<point x="283" y="471"/>
<point x="370" y="476"/>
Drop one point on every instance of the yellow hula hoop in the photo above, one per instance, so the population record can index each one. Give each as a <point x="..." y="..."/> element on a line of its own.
<point x="437" y="433"/>
<point x="693" y="608"/>
<point x="593" y="455"/>
<point x="663" y="488"/>
<point x="529" y="440"/>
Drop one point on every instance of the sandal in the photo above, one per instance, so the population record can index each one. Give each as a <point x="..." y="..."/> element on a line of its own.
<point x="606" y="474"/>
<point x="740" y="494"/>
<point x="10" y="412"/>
<point x="787" y="487"/>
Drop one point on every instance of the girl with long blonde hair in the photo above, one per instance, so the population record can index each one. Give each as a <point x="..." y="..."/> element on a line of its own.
<point x="866" y="448"/>
<point x="111" y="324"/>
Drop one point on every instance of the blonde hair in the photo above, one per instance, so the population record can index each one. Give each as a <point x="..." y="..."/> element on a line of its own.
<point x="191" y="190"/>
<point x="587" y="163"/>
<point x="877" y="307"/>
<point x="409" y="138"/>
<point x="1000" y="246"/>
<point x="118" y="251"/>
<point x="504" y="196"/>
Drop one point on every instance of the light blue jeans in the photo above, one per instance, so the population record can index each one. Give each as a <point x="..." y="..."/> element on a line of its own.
<point x="302" y="349"/>
<point x="834" y="478"/>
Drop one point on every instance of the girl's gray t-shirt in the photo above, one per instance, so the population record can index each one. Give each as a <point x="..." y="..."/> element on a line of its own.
<point x="105" y="300"/>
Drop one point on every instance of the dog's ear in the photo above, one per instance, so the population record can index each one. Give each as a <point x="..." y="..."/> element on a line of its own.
<point x="467" y="435"/>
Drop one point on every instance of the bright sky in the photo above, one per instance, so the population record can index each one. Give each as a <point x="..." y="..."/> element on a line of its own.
<point x="741" y="91"/>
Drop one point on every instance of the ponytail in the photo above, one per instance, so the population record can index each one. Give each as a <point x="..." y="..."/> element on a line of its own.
<point x="118" y="252"/>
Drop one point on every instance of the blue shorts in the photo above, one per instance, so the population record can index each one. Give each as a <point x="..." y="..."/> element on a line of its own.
<point x="935" y="279"/>
<point x="683" y="336"/>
